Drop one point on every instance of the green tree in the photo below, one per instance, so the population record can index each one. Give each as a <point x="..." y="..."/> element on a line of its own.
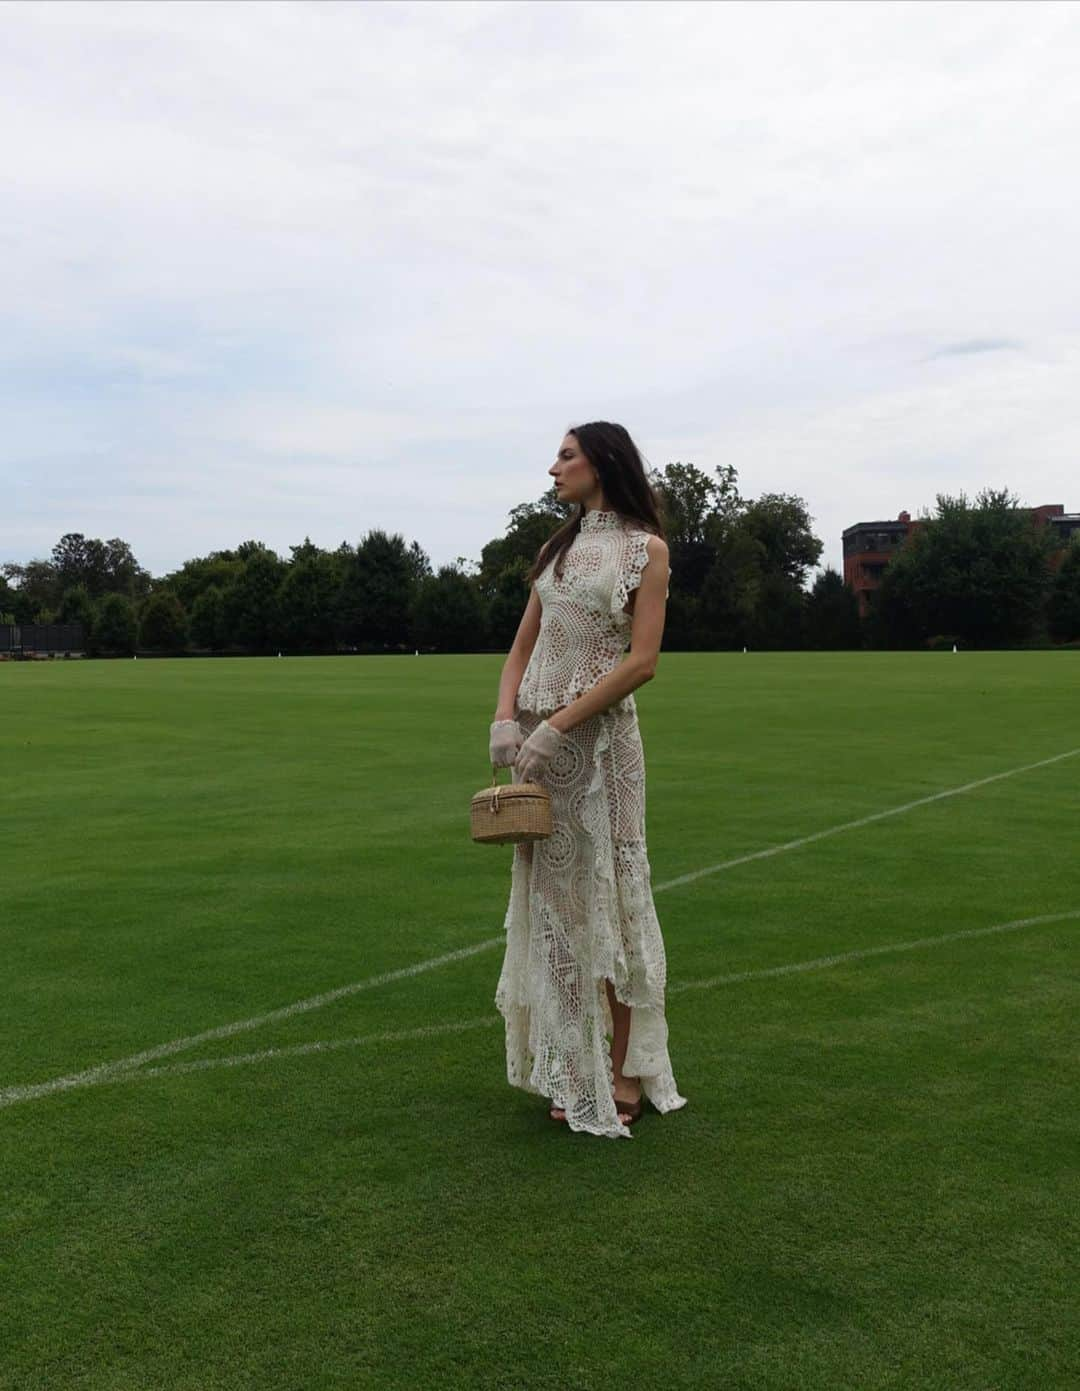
<point x="978" y="573"/>
<point x="125" y="574"/>
<point x="781" y="525"/>
<point x="698" y="514"/>
<point x="685" y="629"/>
<point x="1063" y="606"/>
<point x="37" y="586"/>
<point x="508" y="602"/>
<point x="832" y="614"/>
<point x="779" y="615"/>
<point x="81" y="562"/>
<point x="9" y="601"/>
<point x="217" y="570"/>
<point x="208" y="620"/>
<point x="306" y="600"/>
<point x="449" y="612"/>
<point x="419" y="562"/>
<point x="732" y="589"/>
<point x="530" y="525"/>
<point x="76" y="606"/>
<point x="375" y="595"/>
<point x="115" y="628"/>
<point x="251" y="603"/>
<point x="737" y="568"/>
<point x="102" y="567"/>
<point x="163" y="624"/>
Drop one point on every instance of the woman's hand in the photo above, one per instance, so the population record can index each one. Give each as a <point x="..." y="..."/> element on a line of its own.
<point x="506" y="740"/>
<point x="537" y="752"/>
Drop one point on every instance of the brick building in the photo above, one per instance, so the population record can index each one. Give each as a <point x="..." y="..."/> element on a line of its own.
<point x="869" y="546"/>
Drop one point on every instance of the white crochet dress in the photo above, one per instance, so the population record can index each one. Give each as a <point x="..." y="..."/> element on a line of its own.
<point x="581" y="907"/>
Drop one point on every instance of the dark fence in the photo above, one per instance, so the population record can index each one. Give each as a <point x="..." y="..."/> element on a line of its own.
<point x="25" y="638"/>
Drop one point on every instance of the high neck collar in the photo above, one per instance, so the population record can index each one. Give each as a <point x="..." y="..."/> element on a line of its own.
<point x="596" y="520"/>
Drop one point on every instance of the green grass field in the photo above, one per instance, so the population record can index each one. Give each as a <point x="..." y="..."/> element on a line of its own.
<point x="876" y="1182"/>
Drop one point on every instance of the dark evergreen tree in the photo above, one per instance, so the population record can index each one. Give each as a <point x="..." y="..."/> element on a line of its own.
<point x="208" y="620"/>
<point x="76" y="606"/>
<point x="832" y="614"/>
<point x="685" y="629"/>
<point x="1063" y="607"/>
<point x="307" y="598"/>
<point x="779" y="614"/>
<point x="449" y="613"/>
<point x="115" y="628"/>
<point x="374" y="600"/>
<point x="732" y="588"/>
<point x="163" y="624"/>
<point x="508" y="602"/>
<point x="250" y="602"/>
<point x="419" y="562"/>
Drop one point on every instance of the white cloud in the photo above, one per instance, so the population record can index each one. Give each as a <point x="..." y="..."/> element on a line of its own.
<point x="379" y="256"/>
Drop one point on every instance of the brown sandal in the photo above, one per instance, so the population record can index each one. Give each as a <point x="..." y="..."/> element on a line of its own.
<point x="632" y="1109"/>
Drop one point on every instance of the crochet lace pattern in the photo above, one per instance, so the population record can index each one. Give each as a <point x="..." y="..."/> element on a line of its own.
<point x="581" y="908"/>
<point x="584" y="626"/>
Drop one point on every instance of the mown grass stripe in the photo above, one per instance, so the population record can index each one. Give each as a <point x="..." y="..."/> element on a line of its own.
<point x="105" y="1076"/>
<point x="11" y="1095"/>
<point x="862" y="821"/>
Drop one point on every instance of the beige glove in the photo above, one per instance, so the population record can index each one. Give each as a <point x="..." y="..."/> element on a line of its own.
<point x="537" y="752"/>
<point x="506" y="740"/>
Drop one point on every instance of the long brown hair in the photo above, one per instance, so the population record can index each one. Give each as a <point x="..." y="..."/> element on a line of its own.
<point x="615" y="457"/>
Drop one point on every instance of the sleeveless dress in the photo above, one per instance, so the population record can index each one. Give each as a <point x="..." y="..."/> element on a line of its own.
<point x="581" y="907"/>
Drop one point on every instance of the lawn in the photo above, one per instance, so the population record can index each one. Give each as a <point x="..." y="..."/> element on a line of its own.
<point x="246" y="1143"/>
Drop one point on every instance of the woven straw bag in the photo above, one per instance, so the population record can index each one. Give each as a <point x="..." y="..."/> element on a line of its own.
<point x="515" y="812"/>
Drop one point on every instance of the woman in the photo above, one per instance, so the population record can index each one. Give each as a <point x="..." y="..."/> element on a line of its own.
<point x="584" y="955"/>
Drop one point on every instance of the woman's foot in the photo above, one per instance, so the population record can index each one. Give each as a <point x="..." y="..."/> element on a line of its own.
<point x="628" y="1107"/>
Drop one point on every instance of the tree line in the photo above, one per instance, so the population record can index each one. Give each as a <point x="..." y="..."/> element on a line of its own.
<point x="978" y="573"/>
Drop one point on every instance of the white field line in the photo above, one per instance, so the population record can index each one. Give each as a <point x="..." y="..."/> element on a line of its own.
<point x="10" y="1095"/>
<point x="862" y="821"/>
<point x="301" y="1050"/>
<point x="32" y="1091"/>
<point x="820" y="962"/>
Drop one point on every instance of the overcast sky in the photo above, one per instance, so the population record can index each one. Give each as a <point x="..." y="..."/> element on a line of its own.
<point x="276" y="270"/>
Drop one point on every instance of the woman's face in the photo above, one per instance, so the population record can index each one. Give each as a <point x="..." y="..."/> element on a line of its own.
<point x="575" y="478"/>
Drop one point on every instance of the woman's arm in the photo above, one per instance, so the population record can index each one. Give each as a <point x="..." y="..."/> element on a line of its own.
<point x="518" y="659"/>
<point x="639" y="664"/>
